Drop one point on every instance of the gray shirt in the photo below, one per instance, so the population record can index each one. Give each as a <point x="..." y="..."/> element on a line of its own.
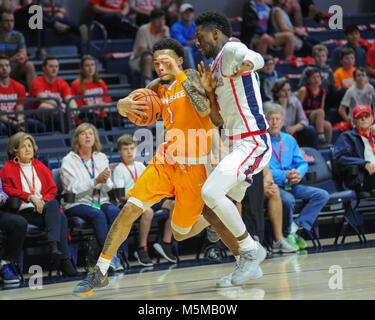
<point x="294" y="113"/>
<point x="354" y="96"/>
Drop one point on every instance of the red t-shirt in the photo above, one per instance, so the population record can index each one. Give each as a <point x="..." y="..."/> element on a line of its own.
<point x="109" y="4"/>
<point x="59" y="89"/>
<point x="371" y="56"/>
<point x="14" y="90"/>
<point x="90" y="88"/>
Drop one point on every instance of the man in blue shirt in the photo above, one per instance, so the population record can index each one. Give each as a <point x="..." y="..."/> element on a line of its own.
<point x="288" y="167"/>
<point x="12" y="44"/>
<point x="352" y="37"/>
<point x="184" y="31"/>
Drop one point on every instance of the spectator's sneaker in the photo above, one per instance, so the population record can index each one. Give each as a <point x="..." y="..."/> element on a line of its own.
<point x="301" y="243"/>
<point x="248" y="264"/>
<point x="226" y="281"/>
<point x="212" y="236"/>
<point x="283" y="246"/>
<point x="142" y="256"/>
<point x="9" y="274"/>
<point x="292" y="240"/>
<point x="165" y="250"/>
<point x="94" y="279"/>
<point x="115" y="265"/>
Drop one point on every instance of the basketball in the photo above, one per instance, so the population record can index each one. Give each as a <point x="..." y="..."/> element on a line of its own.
<point x="152" y="101"/>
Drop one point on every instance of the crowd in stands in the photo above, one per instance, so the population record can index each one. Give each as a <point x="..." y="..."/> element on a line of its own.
<point x="334" y="94"/>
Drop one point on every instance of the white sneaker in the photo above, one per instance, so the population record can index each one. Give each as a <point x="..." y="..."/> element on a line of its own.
<point x="284" y="246"/>
<point x="226" y="281"/>
<point x="248" y="264"/>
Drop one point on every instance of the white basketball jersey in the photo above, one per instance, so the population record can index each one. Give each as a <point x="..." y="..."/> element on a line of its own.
<point x="239" y="100"/>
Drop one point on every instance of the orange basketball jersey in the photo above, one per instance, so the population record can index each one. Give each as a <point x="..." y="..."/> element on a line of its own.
<point x="188" y="134"/>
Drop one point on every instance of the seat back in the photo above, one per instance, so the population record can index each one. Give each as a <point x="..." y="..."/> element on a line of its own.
<point x="323" y="176"/>
<point x="57" y="180"/>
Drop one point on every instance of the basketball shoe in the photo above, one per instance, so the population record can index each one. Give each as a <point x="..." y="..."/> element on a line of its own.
<point x="248" y="264"/>
<point x="226" y="281"/>
<point x="94" y="279"/>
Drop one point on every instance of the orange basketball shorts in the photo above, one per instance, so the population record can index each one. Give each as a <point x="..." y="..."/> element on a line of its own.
<point x="184" y="182"/>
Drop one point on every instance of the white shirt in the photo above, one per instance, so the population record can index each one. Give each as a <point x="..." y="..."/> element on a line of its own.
<point x="28" y="170"/>
<point x="368" y="154"/>
<point x="122" y="177"/>
<point x="239" y="100"/>
<point x="76" y="179"/>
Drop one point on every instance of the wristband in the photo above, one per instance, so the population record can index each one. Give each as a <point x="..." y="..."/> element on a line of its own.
<point x="181" y="76"/>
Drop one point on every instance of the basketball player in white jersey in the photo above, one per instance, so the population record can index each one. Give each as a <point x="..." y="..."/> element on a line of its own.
<point x="233" y="85"/>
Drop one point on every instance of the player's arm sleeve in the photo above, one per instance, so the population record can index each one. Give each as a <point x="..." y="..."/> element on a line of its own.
<point x="194" y="91"/>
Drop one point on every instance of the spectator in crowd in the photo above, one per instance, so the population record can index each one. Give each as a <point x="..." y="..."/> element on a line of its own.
<point x="27" y="178"/>
<point x="312" y="97"/>
<point x="344" y="76"/>
<point x="320" y="54"/>
<point x="280" y="22"/>
<point x="275" y="212"/>
<point x="184" y="31"/>
<point x="296" y="122"/>
<point x="114" y="15"/>
<point x="288" y="167"/>
<point x="142" y="58"/>
<point x="142" y="10"/>
<point x="352" y="37"/>
<point x="12" y="44"/>
<point x="268" y="76"/>
<point x="294" y="10"/>
<point x="172" y="10"/>
<point x="124" y="176"/>
<point x="10" y="89"/>
<point x="85" y="172"/>
<point x="360" y="93"/>
<point x="90" y="83"/>
<point x="309" y="10"/>
<point x="254" y="28"/>
<point x="15" y="227"/>
<point x="49" y="85"/>
<point x="356" y="147"/>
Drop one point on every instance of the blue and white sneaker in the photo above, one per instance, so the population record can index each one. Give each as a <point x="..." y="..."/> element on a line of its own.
<point x="9" y="274"/>
<point x="115" y="265"/>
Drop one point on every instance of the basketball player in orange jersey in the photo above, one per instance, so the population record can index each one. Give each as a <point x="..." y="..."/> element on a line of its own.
<point x="180" y="173"/>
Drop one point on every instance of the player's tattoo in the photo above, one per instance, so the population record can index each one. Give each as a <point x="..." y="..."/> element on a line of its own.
<point x="195" y="92"/>
<point x="109" y="240"/>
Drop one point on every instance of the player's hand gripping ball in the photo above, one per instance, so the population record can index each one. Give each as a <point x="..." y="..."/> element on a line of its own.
<point x="152" y="114"/>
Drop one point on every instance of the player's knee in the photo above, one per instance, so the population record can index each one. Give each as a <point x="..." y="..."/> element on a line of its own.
<point x="180" y="233"/>
<point x="208" y="196"/>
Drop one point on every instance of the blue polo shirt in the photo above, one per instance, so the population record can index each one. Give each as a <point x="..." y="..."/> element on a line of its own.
<point x="183" y="34"/>
<point x="291" y="157"/>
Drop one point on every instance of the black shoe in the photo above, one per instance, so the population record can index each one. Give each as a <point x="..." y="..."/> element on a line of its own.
<point x="68" y="269"/>
<point x="142" y="256"/>
<point x="165" y="250"/>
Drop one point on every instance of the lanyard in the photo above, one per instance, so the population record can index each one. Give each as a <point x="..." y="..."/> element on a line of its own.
<point x="92" y="174"/>
<point x="369" y="138"/>
<point x="32" y="188"/>
<point x="281" y="152"/>
<point x="135" y="169"/>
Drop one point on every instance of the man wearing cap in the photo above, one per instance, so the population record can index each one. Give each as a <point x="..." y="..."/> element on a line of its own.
<point x="356" y="147"/>
<point x="184" y="31"/>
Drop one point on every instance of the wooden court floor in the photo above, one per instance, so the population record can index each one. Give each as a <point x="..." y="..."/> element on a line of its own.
<point x="346" y="274"/>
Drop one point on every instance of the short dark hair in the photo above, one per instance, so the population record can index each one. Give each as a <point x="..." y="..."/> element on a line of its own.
<point x="47" y="58"/>
<point x="171" y="44"/>
<point x="277" y="86"/>
<point x="359" y="69"/>
<point x="126" y="140"/>
<point x="215" y="20"/>
<point x="157" y="13"/>
<point x="350" y="29"/>
<point x="7" y="11"/>
<point x="4" y="57"/>
<point x="346" y="51"/>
